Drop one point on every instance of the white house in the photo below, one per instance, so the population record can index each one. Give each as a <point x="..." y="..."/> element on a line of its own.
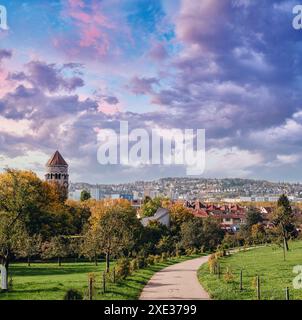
<point x="161" y="215"/>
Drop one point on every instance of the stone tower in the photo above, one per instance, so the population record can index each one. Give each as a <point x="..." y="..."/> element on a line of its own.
<point x="57" y="171"/>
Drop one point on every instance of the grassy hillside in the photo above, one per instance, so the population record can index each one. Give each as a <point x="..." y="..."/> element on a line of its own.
<point x="267" y="262"/>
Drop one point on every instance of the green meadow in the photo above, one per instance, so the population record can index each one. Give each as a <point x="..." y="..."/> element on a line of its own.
<point x="48" y="281"/>
<point x="267" y="262"/>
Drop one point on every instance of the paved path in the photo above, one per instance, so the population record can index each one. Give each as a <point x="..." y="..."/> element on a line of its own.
<point x="176" y="282"/>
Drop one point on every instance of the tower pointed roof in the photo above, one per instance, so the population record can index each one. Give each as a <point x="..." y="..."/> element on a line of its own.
<point x="56" y="160"/>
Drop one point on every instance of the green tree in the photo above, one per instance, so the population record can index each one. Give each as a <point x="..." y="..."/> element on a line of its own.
<point x="191" y="234"/>
<point x="29" y="246"/>
<point x="22" y="196"/>
<point x="57" y="247"/>
<point x="90" y="246"/>
<point x="283" y="218"/>
<point x="85" y="195"/>
<point x="149" y="207"/>
<point x="253" y="216"/>
<point x="11" y="231"/>
<point x="115" y="232"/>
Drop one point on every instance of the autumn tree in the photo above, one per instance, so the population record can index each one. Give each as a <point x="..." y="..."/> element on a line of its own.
<point x="11" y="231"/>
<point x="90" y="246"/>
<point x="283" y="219"/>
<point x="179" y="215"/>
<point x="57" y="247"/>
<point x="115" y="228"/>
<point x="23" y="196"/>
<point x="29" y="246"/>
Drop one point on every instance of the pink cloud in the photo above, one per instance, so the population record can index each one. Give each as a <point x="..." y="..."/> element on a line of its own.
<point x="92" y="29"/>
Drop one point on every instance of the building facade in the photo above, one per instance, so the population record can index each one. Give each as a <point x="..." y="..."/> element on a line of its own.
<point x="57" y="171"/>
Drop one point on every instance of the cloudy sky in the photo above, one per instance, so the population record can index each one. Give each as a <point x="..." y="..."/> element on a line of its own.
<point x="70" y="68"/>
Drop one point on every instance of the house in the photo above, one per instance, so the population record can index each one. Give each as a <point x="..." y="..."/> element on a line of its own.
<point x="230" y="216"/>
<point x="161" y="215"/>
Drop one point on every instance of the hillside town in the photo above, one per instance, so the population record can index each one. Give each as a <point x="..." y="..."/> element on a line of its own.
<point x="207" y="190"/>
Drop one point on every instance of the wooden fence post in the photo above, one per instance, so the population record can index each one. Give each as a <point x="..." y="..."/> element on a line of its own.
<point x="90" y="287"/>
<point x="104" y="282"/>
<point x="258" y="288"/>
<point x="241" y="278"/>
<point x="287" y="293"/>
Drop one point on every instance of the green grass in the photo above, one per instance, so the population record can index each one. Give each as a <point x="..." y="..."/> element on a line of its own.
<point x="267" y="262"/>
<point x="48" y="281"/>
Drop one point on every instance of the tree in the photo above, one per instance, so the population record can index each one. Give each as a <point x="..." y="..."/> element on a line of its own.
<point x="179" y="215"/>
<point x="283" y="219"/>
<point x="151" y="236"/>
<point x="113" y="229"/>
<point x="22" y="196"/>
<point x="212" y="234"/>
<point x="149" y="207"/>
<point x="29" y="246"/>
<point x="90" y="246"/>
<point x="57" y="247"/>
<point x="85" y="195"/>
<point x="253" y="216"/>
<point x="11" y="230"/>
<point x="191" y="234"/>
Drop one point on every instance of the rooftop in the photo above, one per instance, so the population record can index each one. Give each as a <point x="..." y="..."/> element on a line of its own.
<point x="56" y="160"/>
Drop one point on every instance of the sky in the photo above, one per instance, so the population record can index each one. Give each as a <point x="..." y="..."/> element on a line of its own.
<point x="71" y="68"/>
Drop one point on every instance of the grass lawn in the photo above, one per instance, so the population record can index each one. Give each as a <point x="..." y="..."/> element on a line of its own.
<point x="48" y="281"/>
<point x="267" y="262"/>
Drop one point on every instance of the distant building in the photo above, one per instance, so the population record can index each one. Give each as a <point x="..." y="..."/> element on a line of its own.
<point x="128" y="197"/>
<point x="57" y="171"/>
<point x="162" y="216"/>
<point x="96" y="193"/>
<point x="75" y="195"/>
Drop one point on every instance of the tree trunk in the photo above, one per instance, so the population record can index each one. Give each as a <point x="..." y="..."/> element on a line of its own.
<point x="59" y="261"/>
<point x="107" y="262"/>
<point x="28" y="261"/>
<point x="96" y="260"/>
<point x="4" y="276"/>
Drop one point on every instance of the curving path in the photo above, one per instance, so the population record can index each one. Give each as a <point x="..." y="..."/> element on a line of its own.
<point x="176" y="282"/>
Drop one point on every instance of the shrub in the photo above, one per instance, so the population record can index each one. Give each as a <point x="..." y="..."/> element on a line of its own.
<point x="134" y="264"/>
<point x="157" y="259"/>
<point x="150" y="260"/>
<point x="122" y="268"/>
<point x="72" y="294"/>
<point x="141" y="262"/>
<point x="189" y="251"/>
<point x="212" y="263"/>
<point x="164" y="257"/>
<point x="228" y="276"/>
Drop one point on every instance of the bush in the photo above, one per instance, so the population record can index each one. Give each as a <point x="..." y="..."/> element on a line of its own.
<point x="122" y="268"/>
<point x="150" y="260"/>
<point x="141" y="262"/>
<point x="157" y="259"/>
<point x="73" y="294"/>
<point x="134" y="264"/>
<point x="228" y="276"/>
<point x="164" y="257"/>
<point x="212" y="263"/>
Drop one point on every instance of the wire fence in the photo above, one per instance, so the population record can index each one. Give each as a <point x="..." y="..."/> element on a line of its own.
<point x="243" y="284"/>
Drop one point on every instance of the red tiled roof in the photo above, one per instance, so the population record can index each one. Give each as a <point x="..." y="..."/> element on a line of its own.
<point x="56" y="160"/>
